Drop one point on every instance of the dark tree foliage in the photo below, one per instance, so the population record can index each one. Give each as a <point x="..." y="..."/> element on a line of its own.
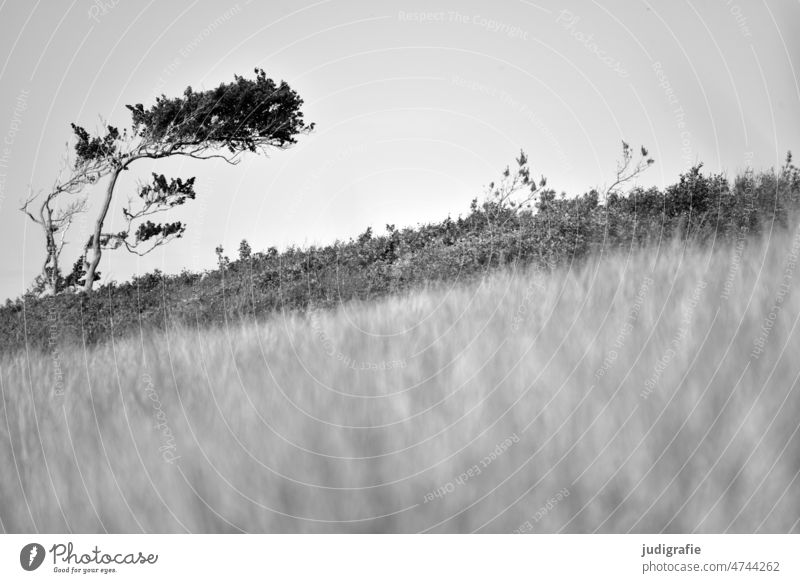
<point x="238" y="115"/>
<point x="160" y="196"/>
<point x="245" y="251"/>
<point x="94" y="148"/>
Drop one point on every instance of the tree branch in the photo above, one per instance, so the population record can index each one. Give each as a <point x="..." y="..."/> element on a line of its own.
<point x="624" y="172"/>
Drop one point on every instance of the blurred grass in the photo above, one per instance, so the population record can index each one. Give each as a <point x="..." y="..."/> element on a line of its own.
<point x="347" y="420"/>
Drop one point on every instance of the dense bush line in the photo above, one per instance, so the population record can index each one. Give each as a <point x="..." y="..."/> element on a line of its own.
<point x="709" y="209"/>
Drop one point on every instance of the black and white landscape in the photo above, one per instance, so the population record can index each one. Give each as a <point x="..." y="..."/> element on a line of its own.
<point x="384" y="267"/>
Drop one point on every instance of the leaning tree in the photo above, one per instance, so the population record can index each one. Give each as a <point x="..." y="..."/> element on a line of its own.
<point x="246" y="115"/>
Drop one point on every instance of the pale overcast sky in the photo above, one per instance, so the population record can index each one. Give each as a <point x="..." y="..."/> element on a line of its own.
<point x="417" y="104"/>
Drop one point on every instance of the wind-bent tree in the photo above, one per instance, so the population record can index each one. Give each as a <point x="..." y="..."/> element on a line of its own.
<point x="246" y="115"/>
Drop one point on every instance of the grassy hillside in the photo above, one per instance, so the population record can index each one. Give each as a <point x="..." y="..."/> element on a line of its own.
<point x="646" y="390"/>
<point x="708" y="209"/>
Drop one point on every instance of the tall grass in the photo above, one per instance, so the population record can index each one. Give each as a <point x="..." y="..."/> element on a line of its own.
<point x="651" y="391"/>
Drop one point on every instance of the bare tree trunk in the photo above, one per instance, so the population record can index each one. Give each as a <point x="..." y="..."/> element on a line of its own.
<point x="51" y="263"/>
<point x="56" y="273"/>
<point x="91" y="265"/>
<point x="52" y="253"/>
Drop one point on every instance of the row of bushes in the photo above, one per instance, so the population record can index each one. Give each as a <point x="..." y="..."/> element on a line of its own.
<point x="708" y="208"/>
